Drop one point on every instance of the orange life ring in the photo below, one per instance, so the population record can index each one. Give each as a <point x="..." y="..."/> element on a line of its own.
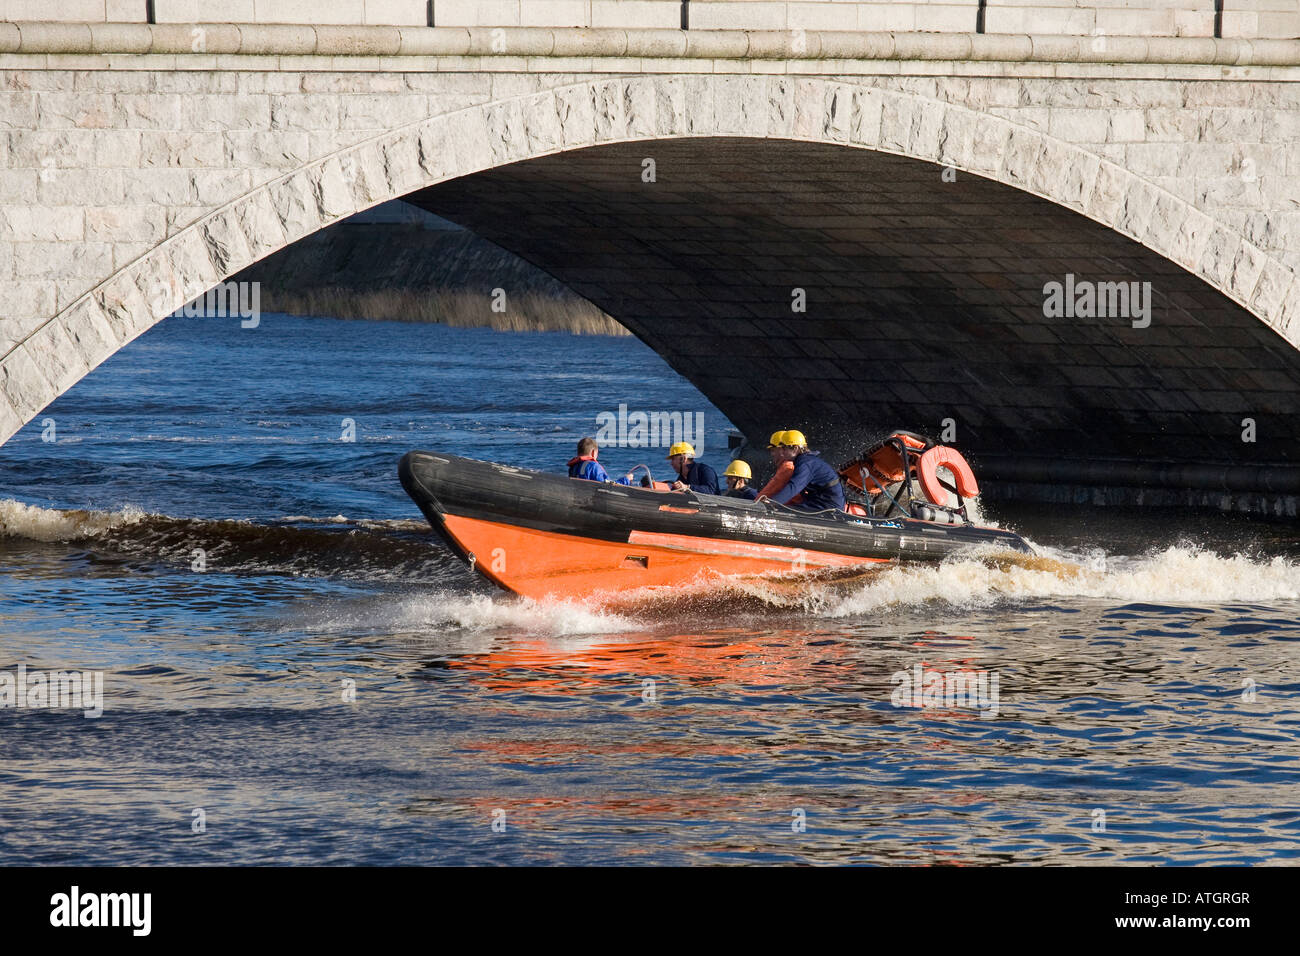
<point x="942" y="457"/>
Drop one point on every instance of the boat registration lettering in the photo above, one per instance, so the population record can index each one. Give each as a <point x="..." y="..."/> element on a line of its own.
<point x="748" y="524"/>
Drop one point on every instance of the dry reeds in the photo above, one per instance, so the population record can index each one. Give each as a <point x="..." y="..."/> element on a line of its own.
<point x="459" y="308"/>
<point x="410" y="274"/>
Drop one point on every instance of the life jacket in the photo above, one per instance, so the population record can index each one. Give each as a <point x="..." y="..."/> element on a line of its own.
<point x="882" y="464"/>
<point x="586" y="467"/>
<point x="779" y="480"/>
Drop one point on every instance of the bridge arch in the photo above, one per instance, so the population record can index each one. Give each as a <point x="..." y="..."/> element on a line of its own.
<point x="842" y="112"/>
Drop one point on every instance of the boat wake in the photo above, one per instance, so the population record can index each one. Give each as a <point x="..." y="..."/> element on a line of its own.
<point x="338" y="547"/>
<point x="1184" y="575"/>
<point x="1177" y="576"/>
<point x="450" y="597"/>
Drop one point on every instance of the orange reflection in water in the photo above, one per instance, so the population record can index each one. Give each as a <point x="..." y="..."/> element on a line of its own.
<point x="650" y="671"/>
<point x="763" y="658"/>
<point x="742" y="675"/>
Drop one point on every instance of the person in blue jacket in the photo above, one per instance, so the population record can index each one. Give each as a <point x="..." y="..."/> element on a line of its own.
<point x="817" y="481"/>
<point x="585" y="465"/>
<point x="692" y="475"/>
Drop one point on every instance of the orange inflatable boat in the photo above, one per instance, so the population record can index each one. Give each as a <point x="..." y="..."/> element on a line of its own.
<point x="544" y="535"/>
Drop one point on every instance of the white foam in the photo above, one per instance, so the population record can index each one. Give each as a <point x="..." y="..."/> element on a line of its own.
<point x="481" y="612"/>
<point x="52" y="524"/>
<point x="1177" y="575"/>
<point x="1194" y="575"/>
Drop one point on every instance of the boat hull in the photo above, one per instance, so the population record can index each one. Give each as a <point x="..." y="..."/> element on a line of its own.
<point x="549" y="536"/>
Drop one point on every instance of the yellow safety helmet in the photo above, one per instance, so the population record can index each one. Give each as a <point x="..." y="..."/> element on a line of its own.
<point x="777" y="440"/>
<point x="682" y="448"/>
<point x="738" y="469"/>
<point x="793" y="438"/>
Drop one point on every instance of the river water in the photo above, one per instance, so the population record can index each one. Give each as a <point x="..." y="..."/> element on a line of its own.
<point x="295" y="670"/>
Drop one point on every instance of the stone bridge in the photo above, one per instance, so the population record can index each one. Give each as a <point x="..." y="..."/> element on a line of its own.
<point x="825" y="226"/>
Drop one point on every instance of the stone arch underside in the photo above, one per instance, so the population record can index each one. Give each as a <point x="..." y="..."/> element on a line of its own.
<point x="924" y="300"/>
<point x="1209" y="266"/>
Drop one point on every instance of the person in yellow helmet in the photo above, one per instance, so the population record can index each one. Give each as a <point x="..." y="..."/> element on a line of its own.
<point x="782" y="452"/>
<point x="738" y="474"/>
<point x="692" y="475"/>
<point x="813" y="485"/>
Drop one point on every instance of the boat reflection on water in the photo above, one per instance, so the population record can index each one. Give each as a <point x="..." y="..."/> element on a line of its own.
<point x="773" y="667"/>
<point x="790" y="717"/>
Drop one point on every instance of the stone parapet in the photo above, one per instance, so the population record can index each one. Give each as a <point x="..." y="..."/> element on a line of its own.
<point x="1252" y="19"/>
<point x="487" y="44"/>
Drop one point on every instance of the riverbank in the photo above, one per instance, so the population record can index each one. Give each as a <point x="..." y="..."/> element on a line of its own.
<point x="419" y="270"/>
<point x="528" y="312"/>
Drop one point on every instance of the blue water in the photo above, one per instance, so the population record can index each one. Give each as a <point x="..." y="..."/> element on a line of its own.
<point x="1146" y="663"/>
